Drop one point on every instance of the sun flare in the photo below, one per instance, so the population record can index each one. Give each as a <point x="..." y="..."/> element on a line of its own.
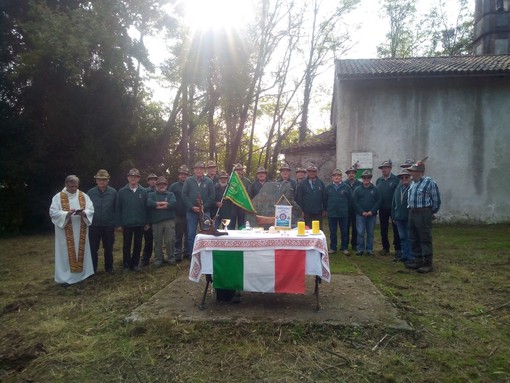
<point x="216" y="14"/>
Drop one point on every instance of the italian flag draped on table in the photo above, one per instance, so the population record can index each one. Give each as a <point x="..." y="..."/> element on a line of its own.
<point x="271" y="271"/>
<point x="260" y="262"/>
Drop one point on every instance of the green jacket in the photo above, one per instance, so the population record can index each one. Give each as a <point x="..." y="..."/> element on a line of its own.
<point x="131" y="207"/>
<point x="387" y="188"/>
<point x="104" y="206"/>
<point x="366" y="199"/>
<point x="180" y="207"/>
<point x="338" y="201"/>
<point x="158" y="215"/>
<point x="353" y="187"/>
<point x="399" y="210"/>
<point x="191" y="189"/>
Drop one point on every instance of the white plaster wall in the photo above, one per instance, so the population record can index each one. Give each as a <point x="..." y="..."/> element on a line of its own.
<point x="463" y="125"/>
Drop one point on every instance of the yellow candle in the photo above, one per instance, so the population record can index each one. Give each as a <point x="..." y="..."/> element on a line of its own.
<point x="315" y="227"/>
<point x="301" y="228"/>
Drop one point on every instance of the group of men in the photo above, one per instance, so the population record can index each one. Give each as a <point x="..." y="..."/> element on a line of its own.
<point x="161" y="216"/>
<point x="167" y="217"/>
<point x="409" y="206"/>
<point x="85" y="220"/>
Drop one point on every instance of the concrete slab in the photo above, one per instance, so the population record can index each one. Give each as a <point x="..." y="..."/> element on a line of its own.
<point x="347" y="300"/>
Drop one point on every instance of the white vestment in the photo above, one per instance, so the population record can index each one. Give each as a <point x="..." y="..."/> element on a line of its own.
<point x="60" y="218"/>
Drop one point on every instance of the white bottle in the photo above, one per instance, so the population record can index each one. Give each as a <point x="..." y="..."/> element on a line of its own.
<point x="247" y="225"/>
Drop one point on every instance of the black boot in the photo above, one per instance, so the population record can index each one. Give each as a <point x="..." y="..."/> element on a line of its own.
<point x="427" y="265"/>
<point x="414" y="264"/>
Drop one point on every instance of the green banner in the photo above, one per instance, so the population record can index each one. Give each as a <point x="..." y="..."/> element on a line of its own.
<point x="236" y="192"/>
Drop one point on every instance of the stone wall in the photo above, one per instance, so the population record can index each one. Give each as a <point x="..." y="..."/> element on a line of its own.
<point x="323" y="158"/>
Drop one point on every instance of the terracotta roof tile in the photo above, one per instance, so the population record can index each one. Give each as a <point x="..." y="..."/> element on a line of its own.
<point x="323" y="140"/>
<point x="423" y="67"/>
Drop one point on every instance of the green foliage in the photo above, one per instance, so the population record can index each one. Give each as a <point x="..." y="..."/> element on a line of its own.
<point x="72" y="102"/>
<point x="434" y="33"/>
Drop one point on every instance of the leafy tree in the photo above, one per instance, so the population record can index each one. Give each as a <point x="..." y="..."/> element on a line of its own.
<point x="430" y="34"/>
<point x="453" y="37"/>
<point x="71" y="103"/>
<point x="325" y="42"/>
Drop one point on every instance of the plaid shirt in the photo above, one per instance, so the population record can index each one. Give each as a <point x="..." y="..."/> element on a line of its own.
<point x="424" y="193"/>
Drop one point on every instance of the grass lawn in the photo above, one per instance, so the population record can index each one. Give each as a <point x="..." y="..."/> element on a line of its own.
<point x="460" y="313"/>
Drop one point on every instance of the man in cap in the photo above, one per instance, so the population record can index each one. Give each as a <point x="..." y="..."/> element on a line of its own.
<point x="181" y="245"/>
<point x="148" y="236"/>
<point x="195" y="188"/>
<point x="300" y="175"/>
<point x="71" y="212"/>
<point x="259" y="182"/>
<point x="238" y="216"/>
<point x="387" y="184"/>
<point x="353" y="183"/>
<point x="161" y="205"/>
<point x="400" y="214"/>
<point x="212" y="171"/>
<point x="311" y="197"/>
<point x="338" y="200"/>
<point x="424" y="200"/>
<point x="131" y="217"/>
<point x="223" y="208"/>
<point x="284" y="170"/>
<point x="366" y="199"/>
<point x="104" y="198"/>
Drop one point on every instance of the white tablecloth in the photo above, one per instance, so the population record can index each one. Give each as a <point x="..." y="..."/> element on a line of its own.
<point x="317" y="259"/>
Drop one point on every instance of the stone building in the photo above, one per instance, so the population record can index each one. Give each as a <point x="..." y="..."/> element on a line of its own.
<point x="456" y="110"/>
<point x="492" y="27"/>
<point x="319" y="149"/>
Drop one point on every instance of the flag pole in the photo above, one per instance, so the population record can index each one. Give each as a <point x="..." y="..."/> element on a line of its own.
<point x="223" y="196"/>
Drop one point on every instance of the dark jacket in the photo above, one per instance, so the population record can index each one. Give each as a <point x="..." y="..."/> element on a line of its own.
<point x="104" y="206"/>
<point x="399" y="210"/>
<point x="191" y="189"/>
<point x="226" y="208"/>
<point x="131" y="209"/>
<point x="158" y="215"/>
<point x="311" y="200"/>
<point x="353" y="187"/>
<point x="387" y="188"/>
<point x="255" y="188"/>
<point x="338" y="201"/>
<point x="366" y="199"/>
<point x="180" y="207"/>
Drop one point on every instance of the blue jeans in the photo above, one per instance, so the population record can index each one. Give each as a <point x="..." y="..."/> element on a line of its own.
<point x="403" y="232"/>
<point x="343" y="222"/>
<point x="192" y="220"/>
<point x="365" y="225"/>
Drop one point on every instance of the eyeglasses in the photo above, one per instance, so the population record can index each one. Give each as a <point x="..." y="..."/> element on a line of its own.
<point x="404" y="177"/>
<point x="366" y="178"/>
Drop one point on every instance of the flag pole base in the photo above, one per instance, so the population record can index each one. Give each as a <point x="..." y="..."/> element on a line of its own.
<point x="316" y="293"/>
<point x="208" y="279"/>
<point x="213" y="231"/>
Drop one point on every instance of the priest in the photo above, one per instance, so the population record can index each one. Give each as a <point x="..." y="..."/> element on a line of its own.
<point x="71" y="212"/>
